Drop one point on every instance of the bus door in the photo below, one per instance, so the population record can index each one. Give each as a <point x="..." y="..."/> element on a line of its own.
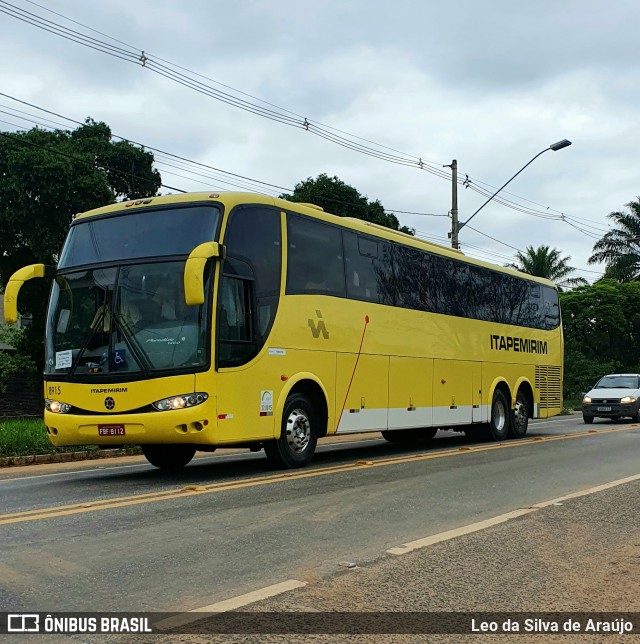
<point x="248" y="297"/>
<point x="452" y="392"/>
<point x="367" y="384"/>
<point x="410" y="392"/>
<point x="478" y="414"/>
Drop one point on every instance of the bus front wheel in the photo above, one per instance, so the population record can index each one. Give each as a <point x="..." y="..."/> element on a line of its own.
<point x="168" y="457"/>
<point x="499" y="420"/>
<point x="298" y="434"/>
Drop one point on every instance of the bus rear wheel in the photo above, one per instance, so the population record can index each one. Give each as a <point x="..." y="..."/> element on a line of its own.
<point x="298" y="435"/>
<point x="412" y="435"/>
<point x="499" y="419"/>
<point x="168" y="457"/>
<point x="519" y="417"/>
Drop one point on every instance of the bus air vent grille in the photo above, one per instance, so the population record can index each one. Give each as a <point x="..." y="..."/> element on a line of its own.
<point x="549" y="384"/>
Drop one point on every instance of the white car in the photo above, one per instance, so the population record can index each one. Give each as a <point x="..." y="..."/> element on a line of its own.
<point x="613" y="396"/>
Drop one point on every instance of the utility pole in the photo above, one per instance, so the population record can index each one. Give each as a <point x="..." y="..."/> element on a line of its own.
<point x="454" y="203"/>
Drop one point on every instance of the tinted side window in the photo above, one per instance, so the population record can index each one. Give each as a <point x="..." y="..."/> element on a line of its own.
<point x="250" y="284"/>
<point x="253" y="236"/>
<point x="550" y="309"/>
<point x="315" y="257"/>
<point x="368" y="269"/>
<point x="407" y="264"/>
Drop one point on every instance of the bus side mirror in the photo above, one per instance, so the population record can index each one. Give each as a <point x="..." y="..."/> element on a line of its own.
<point x="15" y="284"/>
<point x="194" y="271"/>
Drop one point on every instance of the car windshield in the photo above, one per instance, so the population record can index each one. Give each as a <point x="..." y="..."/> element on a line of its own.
<point x="124" y="320"/>
<point x="617" y="382"/>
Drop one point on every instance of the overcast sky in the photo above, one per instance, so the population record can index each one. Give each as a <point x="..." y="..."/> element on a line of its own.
<point x="487" y="82"/>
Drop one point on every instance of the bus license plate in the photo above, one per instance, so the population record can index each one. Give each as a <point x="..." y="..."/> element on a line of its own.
<point x="110" y="430"/>
<point x="604" y="408"/>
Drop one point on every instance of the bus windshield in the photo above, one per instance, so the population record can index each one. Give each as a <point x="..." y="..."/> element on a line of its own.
<point x="155" y="232"/>
<point x="124" y="320"/>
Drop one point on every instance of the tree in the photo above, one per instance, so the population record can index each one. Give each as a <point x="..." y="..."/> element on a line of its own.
<point x="546" y="262"/>
<point x="619" y="249"/>
<point x="47" y="177"/>
<point x="338" y="198"/>
<point x="602" y="332"/>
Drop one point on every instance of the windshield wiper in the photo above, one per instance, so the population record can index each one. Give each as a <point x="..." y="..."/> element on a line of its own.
<point x="129" y="340"/>
<point x="92" y="331"/>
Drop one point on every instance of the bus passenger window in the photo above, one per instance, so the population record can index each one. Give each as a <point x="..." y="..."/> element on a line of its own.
<point x="314" y="258"/>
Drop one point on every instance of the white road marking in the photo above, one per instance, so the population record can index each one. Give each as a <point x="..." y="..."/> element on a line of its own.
<point x="501" y="518"/>
<point x="232" y="603"/>
<point x="457" y="532"/>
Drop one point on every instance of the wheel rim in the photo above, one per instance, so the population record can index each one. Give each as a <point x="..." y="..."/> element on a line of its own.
<point x="519" y="416"/>
<point x="499" y="415"/>
<point x="298" y="431"/>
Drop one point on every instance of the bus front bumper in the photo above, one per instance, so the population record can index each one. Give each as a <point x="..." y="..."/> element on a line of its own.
<point x="195" y="425"/>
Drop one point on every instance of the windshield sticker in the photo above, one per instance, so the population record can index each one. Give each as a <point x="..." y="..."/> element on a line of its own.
<point x="64" y="359"/>
<point x="119" y="357"/>
<point x="266" y="403"/>
<point x="277" y="352"/>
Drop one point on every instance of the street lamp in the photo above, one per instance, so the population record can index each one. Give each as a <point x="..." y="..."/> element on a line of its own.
<point x="457" y="226"/>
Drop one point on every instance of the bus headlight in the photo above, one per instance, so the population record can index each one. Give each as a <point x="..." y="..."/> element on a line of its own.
<point x="586" y="400"/>
<point x="180" y="402"/>
<point x="56" y="406"/>
<point x="628" y="400"/>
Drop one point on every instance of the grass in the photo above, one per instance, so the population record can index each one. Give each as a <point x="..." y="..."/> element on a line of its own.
<point x="25" y="436"/>
<point x="571" y="404"/>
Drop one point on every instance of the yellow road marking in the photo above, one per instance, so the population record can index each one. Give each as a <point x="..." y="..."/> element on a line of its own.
<point x="137" y="499"/>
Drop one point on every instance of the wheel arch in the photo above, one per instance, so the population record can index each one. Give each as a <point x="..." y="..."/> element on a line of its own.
<point x="502" y="385"/>
<point x="525" y="387"/>
<point x="309" y="385"/>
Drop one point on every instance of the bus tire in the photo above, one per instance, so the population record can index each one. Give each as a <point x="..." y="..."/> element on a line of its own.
<point x="412" y="435"/>
<point x="298" y="435"/>
<point x="519" y="417"/>
<point x="168" y="457"/>
<point x="499" y="419"/>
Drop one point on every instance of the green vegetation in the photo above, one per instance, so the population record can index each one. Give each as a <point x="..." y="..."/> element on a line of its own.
<point x="619" y="249"/>
<point x="601" y="332"/>
<point x="547" y="262"/>
<point x="23" y="437"/>
<point x="338" y="198"/>
<point x="47" y="177"/>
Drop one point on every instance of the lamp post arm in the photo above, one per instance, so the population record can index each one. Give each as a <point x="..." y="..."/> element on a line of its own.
<point x="464" y="223"/>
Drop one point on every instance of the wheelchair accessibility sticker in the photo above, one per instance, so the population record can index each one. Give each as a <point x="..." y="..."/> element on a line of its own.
<point x="119" y="358"/>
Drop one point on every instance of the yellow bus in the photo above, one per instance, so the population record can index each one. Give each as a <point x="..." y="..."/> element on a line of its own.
<point x="195" y="321"/>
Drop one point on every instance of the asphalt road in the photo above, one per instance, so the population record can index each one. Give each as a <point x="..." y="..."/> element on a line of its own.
<point x="123" y="536"/>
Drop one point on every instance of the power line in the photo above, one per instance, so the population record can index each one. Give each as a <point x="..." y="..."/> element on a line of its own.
<point x="257" y="106"/>
<point x="229" y="178"/>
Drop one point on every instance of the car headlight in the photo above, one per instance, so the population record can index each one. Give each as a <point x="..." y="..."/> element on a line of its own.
<point x="627" y="400"/>
<point x="586" y="400"/>
<point x="56" y="407"/>
<point x="180" y="402"/>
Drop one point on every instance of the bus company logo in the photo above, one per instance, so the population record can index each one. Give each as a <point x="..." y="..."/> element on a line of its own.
<point x="110" y="390"/>
<point x="23" y="623"/>
<point x="109" y="403"/>
<point x="523" y="345"/>
<point x="320" y="327"/>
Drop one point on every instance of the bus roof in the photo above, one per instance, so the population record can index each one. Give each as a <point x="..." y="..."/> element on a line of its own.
<point x="231" y="199"/>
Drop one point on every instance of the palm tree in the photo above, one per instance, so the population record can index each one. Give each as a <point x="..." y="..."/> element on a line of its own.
<point x="546" y="262"/>
<point x="619" y="248"/>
